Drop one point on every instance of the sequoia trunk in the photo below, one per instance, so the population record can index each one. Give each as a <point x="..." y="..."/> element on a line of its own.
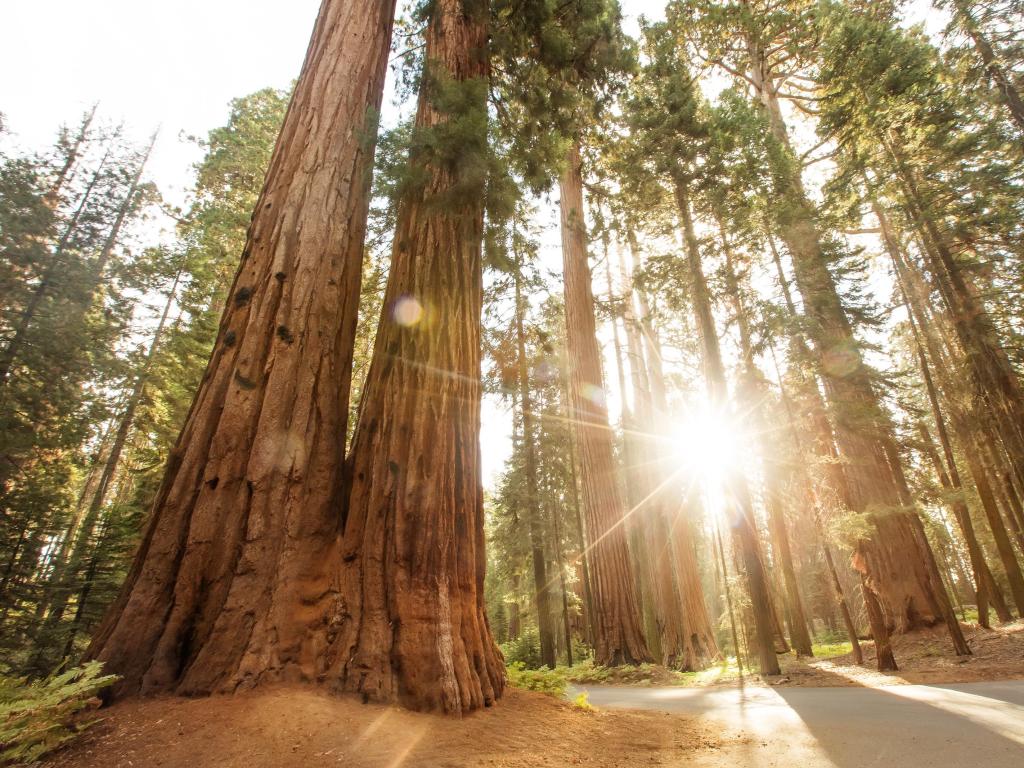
<point x="415" y="629"/>
<point x="896" y="561"/>
<point x="741" y="512"/>
<point x="234" y="583"/>
<point x="617" y="623"/>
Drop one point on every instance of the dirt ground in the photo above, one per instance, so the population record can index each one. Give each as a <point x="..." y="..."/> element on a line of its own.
<point x="923" y="657"/>
<point x="293" y="727"/>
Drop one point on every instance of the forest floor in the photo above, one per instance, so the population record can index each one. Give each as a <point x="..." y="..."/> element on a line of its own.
<point x="293" y="727"/>
<point x="924" y="657"/>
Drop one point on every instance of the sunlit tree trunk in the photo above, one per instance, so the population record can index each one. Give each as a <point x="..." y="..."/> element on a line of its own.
<point x="949" y="475"/>
<point x="741" y="511"/>
<point x="754" y="397"/>
<point x="911" y="289"/>
<point x="648" y="492"/>
<point x="895" y="560"/>
<point x="617" y="622"/>
<point x="699" y="647"/>
<point x="995" y="381"/>
<point x="235" y="582"/>
<point x="639" y="519"/>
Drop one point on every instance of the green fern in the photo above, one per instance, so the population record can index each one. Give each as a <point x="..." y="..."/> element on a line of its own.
<point x="38" y="717"/>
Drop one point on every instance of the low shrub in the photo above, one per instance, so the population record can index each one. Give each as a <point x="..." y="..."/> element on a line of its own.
<point x="39" y="717"/>
<point x="524" y="650"/>
<point x="549" y="681"/>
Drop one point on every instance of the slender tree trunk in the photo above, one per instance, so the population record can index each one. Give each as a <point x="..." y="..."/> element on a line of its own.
<point x="896" y="560"/>
<point x="648" y="493"/>
<point x="819" y="527"/>
<point x="723" y="572"/>
<point x="1004" y="491"/>
<point x="12" y="351"/>
<point x="638" y="518"/>
<point x="542" y="589"/>
<point x="699" y="646"/>
<point x="114" y="236"/>
<point x="514" y="619"/>
<point x="983" y="484"/>
<point x="83" y="540"/>
<point x="1008" y="93"/>
<point x="755" y="395"/>
<point x="618" y="626"/>
<point x="64" y="175"/>
<point x="560" y="556"/>
<point x="235" y="581"/>
<point x="995" y="381"/>
<point x="949" y="476"/>
<point x="581" y="536"/>
<point x="738" y="494"/>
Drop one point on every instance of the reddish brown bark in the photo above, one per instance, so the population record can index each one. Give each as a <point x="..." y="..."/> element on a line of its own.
<point x="235" y="582"/>
<point x="646" y="496"/>
<point x="617" y="624"/>
<point x="986" y="588"/>
<point x="415" y="627"/>
<point x="997" y="387"/>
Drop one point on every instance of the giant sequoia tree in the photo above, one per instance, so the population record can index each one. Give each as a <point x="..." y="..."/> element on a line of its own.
<point x="413" y="547"/>
<point x="232" y="585"/>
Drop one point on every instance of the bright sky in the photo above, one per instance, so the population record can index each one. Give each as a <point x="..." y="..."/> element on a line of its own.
<point x="170" y="64"/>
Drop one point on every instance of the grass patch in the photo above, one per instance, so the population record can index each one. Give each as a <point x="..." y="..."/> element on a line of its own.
<point x="726" y="671"/>
<point x="831" y="650"/>
<point x="643" y="674"/>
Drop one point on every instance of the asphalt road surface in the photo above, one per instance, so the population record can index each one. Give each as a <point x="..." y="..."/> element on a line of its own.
<point x="980" y="725"/>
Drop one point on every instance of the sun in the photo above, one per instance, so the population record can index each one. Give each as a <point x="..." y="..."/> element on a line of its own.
<point x="708" y="444"/>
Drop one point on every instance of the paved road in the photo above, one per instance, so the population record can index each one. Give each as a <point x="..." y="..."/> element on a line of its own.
<point x="978" y="725"/>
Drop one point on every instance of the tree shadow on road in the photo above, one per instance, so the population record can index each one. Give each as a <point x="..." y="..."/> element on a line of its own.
<point x="909" y="726"/>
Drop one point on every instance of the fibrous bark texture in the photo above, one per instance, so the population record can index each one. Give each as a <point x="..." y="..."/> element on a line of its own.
<point x="414" y="627"/>
<point x="235" y="582"/>
<point x="618" y="628"/>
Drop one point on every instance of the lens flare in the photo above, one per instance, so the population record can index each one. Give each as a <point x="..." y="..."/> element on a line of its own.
<point x="408" y="312"/>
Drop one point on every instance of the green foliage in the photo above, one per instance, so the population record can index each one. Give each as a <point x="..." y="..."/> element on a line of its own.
<point x="641" y="674"/>
<point x="39" y="717"/>
<point x="524" y="650"/>
<point x="550" y="681"/>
